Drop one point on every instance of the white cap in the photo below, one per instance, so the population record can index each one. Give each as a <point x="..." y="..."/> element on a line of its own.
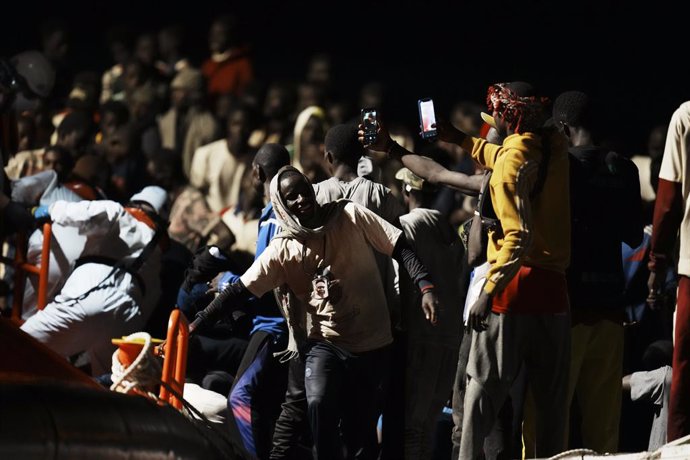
<point x="153" y="195"/>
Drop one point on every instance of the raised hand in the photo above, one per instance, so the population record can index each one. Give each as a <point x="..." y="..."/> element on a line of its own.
<point x="383" y="137"/>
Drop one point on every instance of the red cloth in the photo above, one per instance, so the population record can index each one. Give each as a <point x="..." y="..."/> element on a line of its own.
<point x="679" y="403"/>
<point x="533" y="291"/>
<point x="230" y="76"/>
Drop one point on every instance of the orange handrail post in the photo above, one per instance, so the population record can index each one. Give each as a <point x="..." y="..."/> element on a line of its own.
<point x="22" y="268"/>
<point x="175" y="358"/>
<point x="42" y="296"/>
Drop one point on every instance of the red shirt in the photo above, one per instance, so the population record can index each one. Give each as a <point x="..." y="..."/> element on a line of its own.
<point x="230" y="76"/>
<point x="533" y="290"/>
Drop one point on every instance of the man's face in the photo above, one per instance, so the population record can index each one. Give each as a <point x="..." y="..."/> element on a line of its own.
<point x="298" y="195"/>
<point x="73" y="140"/>
<point x="218" y="38"/>
<point x="51" y="160"/>
<point x="239" y="128"/>
<point x="132" y="76"/>
<point x="178" y="98"/>
<point x="501" y="124"/>
<point x="146" y="49"/>
<point x="117" y="146"/>
<point x="108" y="123"/>
<point x="493" y="137"/>
<point x="313" y="131"/>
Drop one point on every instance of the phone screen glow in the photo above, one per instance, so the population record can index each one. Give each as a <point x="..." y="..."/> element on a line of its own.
<point x="369" y="118"/>
<point x="428" y="116"/>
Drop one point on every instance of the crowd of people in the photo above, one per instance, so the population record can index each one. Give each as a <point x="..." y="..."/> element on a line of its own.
<point x="347" y="291"/>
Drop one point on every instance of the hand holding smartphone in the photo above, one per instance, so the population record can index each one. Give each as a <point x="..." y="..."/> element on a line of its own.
<point x="370" y="123"/>
<point x="427" y="118"/>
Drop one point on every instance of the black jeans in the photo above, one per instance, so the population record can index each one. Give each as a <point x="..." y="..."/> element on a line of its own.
<point x="344" y="390"/>
<point x="291" y="435"/>
<point x="393" y="429"/>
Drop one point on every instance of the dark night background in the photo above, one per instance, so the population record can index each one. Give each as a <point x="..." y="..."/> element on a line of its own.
<point x="631" y="56"/>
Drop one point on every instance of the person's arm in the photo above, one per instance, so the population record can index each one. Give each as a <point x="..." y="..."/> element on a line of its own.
<point x="425" y="168"/>
<point x="649" y="386"/>
<point x="434" y="173"/>
<point x="668" y="214"/>
<point x="512" y="206"/>
<point x="403" y="253"/>
<point x="92" y="218"/>
<point x="235" y="294"/>
<point x="266" y="273"/>
<point x="389" y="240"/>
<point x="668" y="209"/>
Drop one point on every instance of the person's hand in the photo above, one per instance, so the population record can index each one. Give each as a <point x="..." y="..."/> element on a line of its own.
<point x="383" y="137"/>
<point x="41" y="213"/>
<point x="208" y="262"/>
<point x="430" y="306"/>
<point x="655" y="286"/>
<point x="479" y="312"/>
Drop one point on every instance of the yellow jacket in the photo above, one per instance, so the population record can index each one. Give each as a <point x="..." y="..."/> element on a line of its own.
<point x="535" y="232"/>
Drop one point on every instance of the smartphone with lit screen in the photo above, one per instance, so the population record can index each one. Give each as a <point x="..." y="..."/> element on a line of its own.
<point x="370" y="123"/>
<point x="427" y="118"/>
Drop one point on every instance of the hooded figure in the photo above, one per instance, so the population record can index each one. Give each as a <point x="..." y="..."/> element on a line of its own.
<point x="325" y="257"/>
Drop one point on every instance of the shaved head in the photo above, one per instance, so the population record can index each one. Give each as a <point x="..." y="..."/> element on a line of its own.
<point x="270" y="158"/>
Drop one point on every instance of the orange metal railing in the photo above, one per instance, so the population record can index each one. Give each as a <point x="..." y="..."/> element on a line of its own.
<point x="23" y="269"/>
<point x="175" y="358"/>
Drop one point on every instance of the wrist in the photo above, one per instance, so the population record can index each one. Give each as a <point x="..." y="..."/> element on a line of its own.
<point x="658" y="263"/>
<point x="427" y="288"/>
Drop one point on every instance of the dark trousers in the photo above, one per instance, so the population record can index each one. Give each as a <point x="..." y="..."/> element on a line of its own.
<point x="292" y="435"/>
<point x="393" y="427"/>
<point x="256" y="395"/>
<point x="343" y="396"/>
<point x="679" y="404"/>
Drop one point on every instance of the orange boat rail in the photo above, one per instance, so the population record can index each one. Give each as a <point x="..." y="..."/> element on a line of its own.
<point x="175" y="358"/>
<point x="23" y="269"/>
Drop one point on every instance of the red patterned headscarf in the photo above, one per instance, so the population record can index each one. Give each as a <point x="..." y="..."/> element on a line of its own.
<point x="522" y="114"/>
